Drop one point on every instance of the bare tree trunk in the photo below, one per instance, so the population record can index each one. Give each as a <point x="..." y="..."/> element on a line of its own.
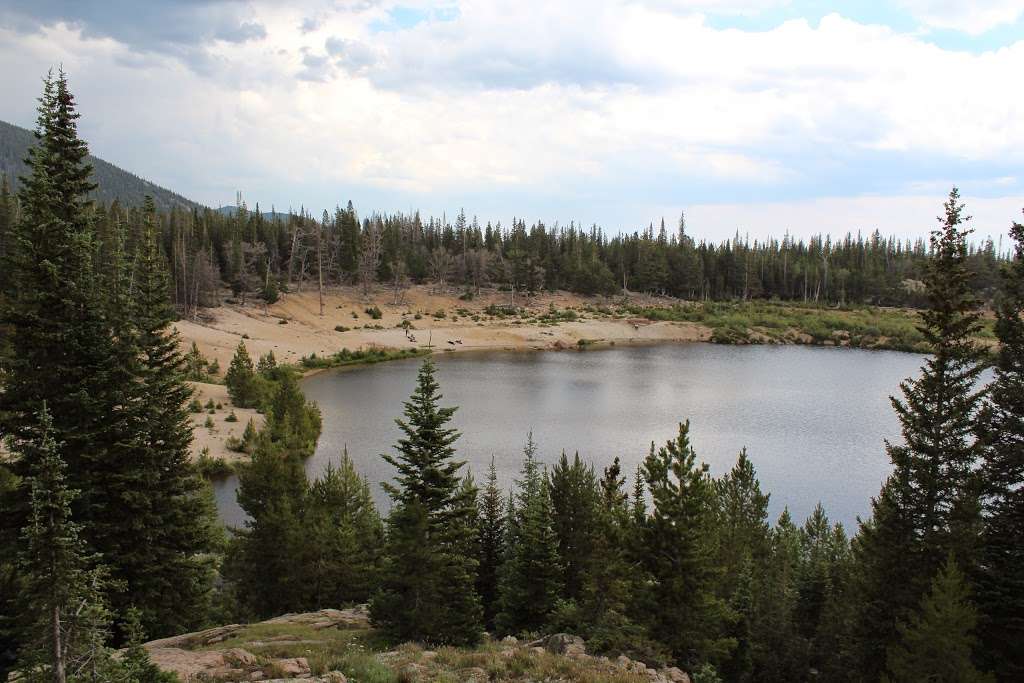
<point x="59" y="674"/>
<point x="320" y="266"/>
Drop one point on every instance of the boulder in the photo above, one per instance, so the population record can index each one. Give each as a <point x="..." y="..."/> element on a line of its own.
<point x="292" y="667"/>
<point x="675" y="675"/>
<point x="565" y="644"/>
<point x="239" y="657"/>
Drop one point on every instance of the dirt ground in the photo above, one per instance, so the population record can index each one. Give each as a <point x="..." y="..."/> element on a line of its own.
<point x="293" y="328"/>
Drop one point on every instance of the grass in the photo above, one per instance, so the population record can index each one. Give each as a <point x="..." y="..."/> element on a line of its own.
<point x="772" y="322"/>
<point x="364" y="657"/>
<point x="358" y="357"/>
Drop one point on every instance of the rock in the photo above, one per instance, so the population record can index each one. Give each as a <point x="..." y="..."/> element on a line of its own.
<point x="196" y="639"/>
<point x="565" y="644"/>
<point x="538" y="650"/>
<point x="292" y="667"/>
<point x="510" y="640"/>
<point x="623" y="662"/>
<point x="675" y="674"/>
<point x="240" y="657"/>
<point x="334" y="677"/>
<point x="186" y="664"/>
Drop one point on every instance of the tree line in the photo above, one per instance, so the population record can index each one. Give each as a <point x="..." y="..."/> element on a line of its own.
<point x="108" y="534"/>
<point x="259" y="255"/>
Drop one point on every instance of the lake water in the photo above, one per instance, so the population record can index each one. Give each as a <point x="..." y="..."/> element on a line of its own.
<point x="813" y="419"/>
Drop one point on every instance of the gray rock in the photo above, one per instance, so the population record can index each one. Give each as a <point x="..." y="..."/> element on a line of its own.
<point x="565" y="644"/>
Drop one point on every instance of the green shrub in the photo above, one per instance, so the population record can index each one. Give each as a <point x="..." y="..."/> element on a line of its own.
<point x="195" y="406"/>
<point x="373" y="312"/>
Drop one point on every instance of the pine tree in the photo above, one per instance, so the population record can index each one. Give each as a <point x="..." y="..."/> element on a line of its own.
<point x="167" y="576"/>
<point x="612" y="577"/>
<point x="241" y="379"/>
<point x="492" y="545"/>
<point x="530" y="583"/>
<point x="936" y="642"/>
<point x="63" y="593"/>
<point x="743" y="522"/>
<point x="346" y="537"/>
<point x="261" y="560"/>
<point x="686" y="615"/>
<point x="428" y="590"/>
<point x="1001" y="577"/>
<point x="929" y="506"/>
<point x="574" y="502"/>
<point x="778" y="650"/>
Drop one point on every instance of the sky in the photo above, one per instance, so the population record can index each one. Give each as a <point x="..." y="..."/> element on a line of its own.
<point x="759" y="117"/>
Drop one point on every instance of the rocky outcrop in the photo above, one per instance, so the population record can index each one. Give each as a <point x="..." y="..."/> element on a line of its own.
<point x="190" y="657"/>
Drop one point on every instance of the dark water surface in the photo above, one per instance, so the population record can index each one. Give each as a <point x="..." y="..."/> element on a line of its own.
<point x="813" y="419"/>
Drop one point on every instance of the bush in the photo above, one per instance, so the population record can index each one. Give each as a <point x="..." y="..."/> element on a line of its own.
<point x="209" y="404"/>
<point x="282" y="321"/>
<point x="373" y="312"/>
<point x="231" y="417"/>
<point x="439" y="314"/>
<point x="209" y="423"/>
<point x="341" y="328"/>
<point x="195" y="406"/>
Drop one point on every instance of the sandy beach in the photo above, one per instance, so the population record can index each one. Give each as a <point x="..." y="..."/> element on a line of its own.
<point x="293" y="328"/>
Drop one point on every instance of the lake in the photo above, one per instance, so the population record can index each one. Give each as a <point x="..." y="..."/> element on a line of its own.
<point x="813" y="419"/>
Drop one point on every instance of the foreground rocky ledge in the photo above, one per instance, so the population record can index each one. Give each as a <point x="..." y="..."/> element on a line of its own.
<point x="338" y="646"/>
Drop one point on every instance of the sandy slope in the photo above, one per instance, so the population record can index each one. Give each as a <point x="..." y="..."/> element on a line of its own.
<point x="218" y="333"/>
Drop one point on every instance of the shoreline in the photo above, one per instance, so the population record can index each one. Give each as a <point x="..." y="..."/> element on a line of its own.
<point x="293" y="329"/>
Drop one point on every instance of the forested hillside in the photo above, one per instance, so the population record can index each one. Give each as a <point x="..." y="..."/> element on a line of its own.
<point x="113" y="183"/>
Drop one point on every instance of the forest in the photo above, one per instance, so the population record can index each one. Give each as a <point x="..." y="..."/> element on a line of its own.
<point x="108" y="534"/>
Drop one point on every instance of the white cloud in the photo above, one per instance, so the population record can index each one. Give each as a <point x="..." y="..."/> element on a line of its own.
<point x="537" y="104"/>
<point x="970" y="16"/>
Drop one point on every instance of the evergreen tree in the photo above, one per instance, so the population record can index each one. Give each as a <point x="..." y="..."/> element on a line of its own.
<point x="936" y="642"/>
<point x="685" y="613"/>
<point x="929" y="506"/>
<point x="1001" y="577"/>
<point x="574" y="502"/>
<point x="531" y="575"/>
<point x="345" y="537"/>
<point x="428" y="590"/>
<point x="262" y="557"/>
<point x="492" y="545"/>
<point x="742" y="522"/>
<point x="778" y="651"/>
<point x="241" y="379"/>
<point x="164" y="500"/>
<point x="62" y="593"/>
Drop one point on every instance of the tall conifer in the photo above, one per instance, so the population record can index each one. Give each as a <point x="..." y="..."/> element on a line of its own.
<point x="428" y="590"/>
<point x="929" y="506"/>
<point x="1001" y="576"/>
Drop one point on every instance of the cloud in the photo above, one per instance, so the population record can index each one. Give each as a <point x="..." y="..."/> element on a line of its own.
<point x="597" y="111"/>
<point x="183" y="28"/>
<point x="974" y="17"/>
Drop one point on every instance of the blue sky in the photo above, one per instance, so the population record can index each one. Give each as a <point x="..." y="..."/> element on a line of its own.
<point x="758" y="116"/>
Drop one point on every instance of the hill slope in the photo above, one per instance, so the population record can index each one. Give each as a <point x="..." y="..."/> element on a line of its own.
<point x="114" y="183"/>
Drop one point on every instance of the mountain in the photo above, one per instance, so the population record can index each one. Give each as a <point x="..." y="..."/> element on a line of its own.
<point x="114" y="182"/>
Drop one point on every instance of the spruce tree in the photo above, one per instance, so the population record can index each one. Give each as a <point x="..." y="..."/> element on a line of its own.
<point x="778" y="651"/>
<point x="492" y="518"/>
<point x="263" y="559"/>
<point x="167" y="578"/>
<point x="345" y="535"/>
<point x="428" y="581"/>
<point x="685" y="614"/>
<point x="531" y="575"/>
<point x="574" y="499"/>
<point x="62" y="596"/>
<point x="1001" y="575"/>
<point x="929" y="505"/>
<point x="241" y="379"/>
<point x="937" y="640"/>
